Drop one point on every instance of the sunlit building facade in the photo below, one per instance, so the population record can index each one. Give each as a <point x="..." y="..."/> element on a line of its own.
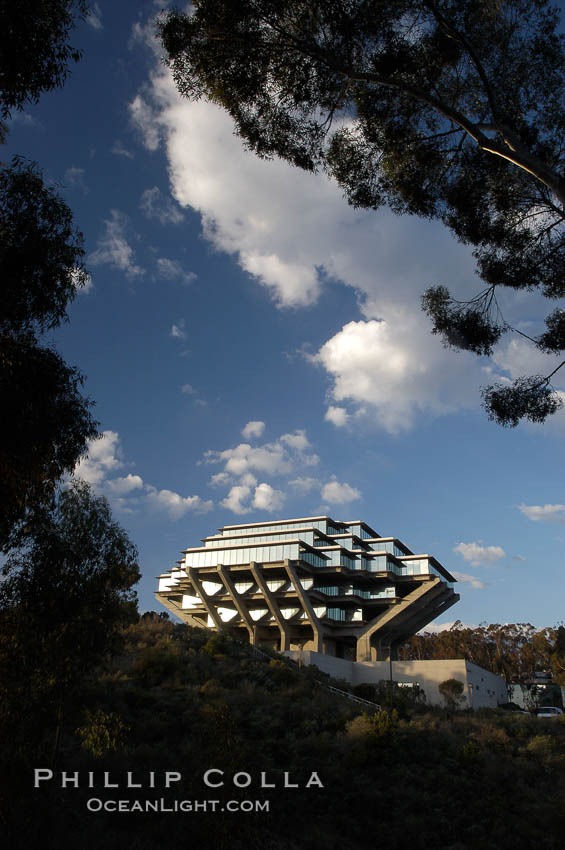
<point x="312" y="583"/>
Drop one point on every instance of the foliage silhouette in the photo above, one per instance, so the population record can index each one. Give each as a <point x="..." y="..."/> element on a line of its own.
<point x="446" y="109"/>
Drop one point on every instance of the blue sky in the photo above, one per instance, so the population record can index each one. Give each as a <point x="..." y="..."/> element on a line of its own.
<point x="256" y="348"/>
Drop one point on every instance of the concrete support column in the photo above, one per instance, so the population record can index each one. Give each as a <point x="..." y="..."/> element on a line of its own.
<point x="240" y="605"/>
<point x="210" y="607"/>
<point x="307" y="606"/>
<point x="257" y="571"/>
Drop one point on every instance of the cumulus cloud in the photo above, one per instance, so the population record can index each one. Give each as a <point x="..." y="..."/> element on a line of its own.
<point x="145" y="120"/>
<point x="544" y="513"/>
<point x="119" y="149"/>
<point x="235" y="499"/>
<point x="339" y="493"/>
<point x="74" y="177"/>
<point x="94" y="17"/>
<point x="279" y="457"/>
<point x="252" y="429"/>
<point x="103" y="457"/>
<point x="266" y="498"/>
<point x="304" y="484"/>
<point x="121" y="486"/>
<point x="478" y="555"/>
<point x="172" y="270"/>
<point x="298" y="440"/>
<point x="175" y="505"/>
<point x="129" y="492"/>
<point x="82" y="288"/>
<point x="338" y="416"/>
<point x="521" y="357"/>
<point x="154" y="205"/>
<point x="113" y="248"/>
<point x="310" y="235"/>
<point x="245" y="465"/>
<point x="392" y="365"/>
<point x="445" y="627"/>
<point x="177" y="331"/>
<point x="220" y="479"/>
<point x="475" y="583"/>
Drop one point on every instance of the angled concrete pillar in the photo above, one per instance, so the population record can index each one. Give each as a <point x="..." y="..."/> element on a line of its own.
<point x="257" y="571"/>
<point x="210" y="607"/>
<point x="240" y="605"/>
<point x="179" y="611"/>
<point x="306" y="606"/>
<point x="401" y="612"/>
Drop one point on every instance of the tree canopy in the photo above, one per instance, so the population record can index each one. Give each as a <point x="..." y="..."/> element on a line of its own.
<point x="447" y="109"/>
<point x="34" y="49"/>
<point x="514" y="650"/>
<point x="41" y="251"/>
<point x="65" y="596"/>
<point x="48" y="422"/>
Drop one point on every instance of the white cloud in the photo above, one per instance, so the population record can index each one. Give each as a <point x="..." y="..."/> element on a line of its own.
<point x="114" y="249"/>
<point x="270" y="458"/>
<point x="220" y="479"/>
<point x="103" y="457"/>
<point x="187" y="389"/>
<point x="393" y="366"/>
<point x="84" y="288"/>
<point x="177" y="331"/>
<point x="238" y="494"/>
<point x="121" y="486"/>
<point x="94" y="17"/>
<point x="521" y="357"/>
<point x="266" y="498"/>
<point x="75" y="178"/>
<point x="244" y="463"/>
<point x="252" y="429"/>
<point x="87" y="286"/>
<point x="478" y="555"/>
<point x="119" y="149"/>
<point x="144" y="33"/>
<point x="145" y="120"/>
<point x="388" y="363"/>
<point x="175" y="505"/>
<point x="338" y="416"/>
<point x="338" y="493"/>
<point x="154" y="205"/>
<point x="298" y="440"/>
<point x="172" y="270"/>
<point x="303" y="484"/>
<point x="279" y="457"/>
<point x="476" y="583"/>
<point x="544" y="513"/>
<point x="445" y="627"/>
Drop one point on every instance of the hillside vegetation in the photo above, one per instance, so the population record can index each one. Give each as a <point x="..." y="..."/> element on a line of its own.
<point x="188" y="700"/>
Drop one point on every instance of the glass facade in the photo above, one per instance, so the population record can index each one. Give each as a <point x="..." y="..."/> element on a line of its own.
<point x="229" y="557"/>
<point x="344" y="562"/>
<point x="250" y="540"/>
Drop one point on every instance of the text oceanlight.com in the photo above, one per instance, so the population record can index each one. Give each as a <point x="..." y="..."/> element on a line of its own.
<point x="213" y="778"/>
<point x="95" y="804"/>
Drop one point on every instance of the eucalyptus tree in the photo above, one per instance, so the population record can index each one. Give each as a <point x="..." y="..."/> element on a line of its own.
<point x="65" y="595"/>
<point x="47" y="421"/>
<point x="446" y="109"/>
<point x="35" y="52"/>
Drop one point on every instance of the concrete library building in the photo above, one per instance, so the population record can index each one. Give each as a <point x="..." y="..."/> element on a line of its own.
<point x="331" y="593"/>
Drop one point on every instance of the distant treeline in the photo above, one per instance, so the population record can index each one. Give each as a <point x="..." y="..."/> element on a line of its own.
<point x="514" y="650"/>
